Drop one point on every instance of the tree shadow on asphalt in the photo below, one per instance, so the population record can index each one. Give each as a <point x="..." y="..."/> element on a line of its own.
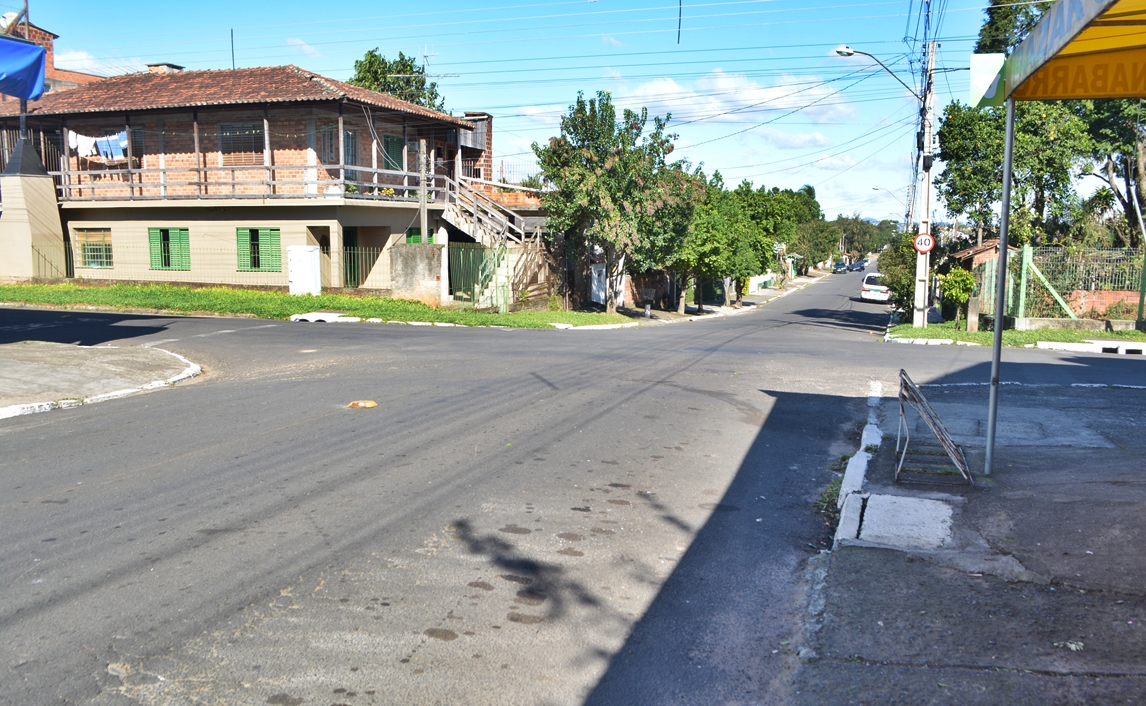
<point x="77" y="327"/>
<point x="850" y="319"/>
<point x="540" y="582"/>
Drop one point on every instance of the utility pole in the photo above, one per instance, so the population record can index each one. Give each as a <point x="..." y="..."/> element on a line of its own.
<point x="423" y="216"/>
<point x="923" y="260"/>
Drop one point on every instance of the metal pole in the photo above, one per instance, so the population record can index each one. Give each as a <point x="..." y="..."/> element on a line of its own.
<point x="919" y="319"/>
<point x="1000" y="288"/>
<point x="423" y="216"/>
<point x="1142" y="282"/>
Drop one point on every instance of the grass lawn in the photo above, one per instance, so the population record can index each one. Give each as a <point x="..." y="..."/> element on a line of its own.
<point x="280" y="305"/>
<point x="1010" y="337"/>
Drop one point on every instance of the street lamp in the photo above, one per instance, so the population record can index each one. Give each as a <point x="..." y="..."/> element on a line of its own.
<point x="845" y="50"/>
<point x="922" y="262"/>
<point x="907" y="210"/>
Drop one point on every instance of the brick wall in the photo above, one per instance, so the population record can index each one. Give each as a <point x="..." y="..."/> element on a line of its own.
<point x="485" y="159"/>
<point x="289" y="142"/>
<point x="55" y="79"/>
<point x="1082" y="301"/>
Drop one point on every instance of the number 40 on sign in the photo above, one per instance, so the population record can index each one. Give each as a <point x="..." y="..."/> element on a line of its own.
<point x="924" y="243"/>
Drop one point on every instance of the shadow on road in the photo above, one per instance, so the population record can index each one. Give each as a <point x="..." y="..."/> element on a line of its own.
<point x="852" y="319"/>
<point x="81" y="328"/>
<point x="709" y="635"/>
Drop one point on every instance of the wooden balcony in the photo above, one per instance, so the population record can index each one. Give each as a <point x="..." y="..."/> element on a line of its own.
<point x="256" y="182"/>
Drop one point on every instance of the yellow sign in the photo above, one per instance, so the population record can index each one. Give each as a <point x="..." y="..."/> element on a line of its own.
<point x="1054" y="32"/>
<point x="1118" y="74"/>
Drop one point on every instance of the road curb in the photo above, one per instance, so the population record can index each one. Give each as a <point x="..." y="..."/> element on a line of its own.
<point x="19" y="410"/>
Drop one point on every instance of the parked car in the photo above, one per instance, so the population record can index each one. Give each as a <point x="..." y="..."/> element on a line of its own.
<point x="857" y="266"/>
<point x="840" y="268"/>
<point x="872" y="289"/>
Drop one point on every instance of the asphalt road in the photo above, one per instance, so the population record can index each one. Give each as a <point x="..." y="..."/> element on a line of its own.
<point x="528" y="517"/>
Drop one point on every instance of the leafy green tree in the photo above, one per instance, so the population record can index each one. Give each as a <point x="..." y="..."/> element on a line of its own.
<point x="1007" y="24"/>
<point x="1119" y="153"/>
<point x="402" y="78"/>
<point x="1051" y="148"/>
<point x="897" y="265"/>
<point x="971" y="149"/>
<point x="816" y="241"/>
<point x="615" y="189"/>
<point x="957" y="286"/>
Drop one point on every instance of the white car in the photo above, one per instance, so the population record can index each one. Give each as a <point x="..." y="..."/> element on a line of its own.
<point x="872" y="290"/>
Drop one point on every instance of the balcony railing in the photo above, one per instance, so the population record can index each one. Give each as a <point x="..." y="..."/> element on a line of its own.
<point x="246" y="182"/>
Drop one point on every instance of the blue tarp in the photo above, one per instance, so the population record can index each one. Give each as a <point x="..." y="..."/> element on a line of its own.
<point x="22" y="66"/>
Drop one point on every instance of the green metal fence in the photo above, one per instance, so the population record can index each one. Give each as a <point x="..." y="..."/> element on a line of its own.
<point x="470" y="271"/>
<point x="357" y="264"/>
<point x="1054" y="282"/>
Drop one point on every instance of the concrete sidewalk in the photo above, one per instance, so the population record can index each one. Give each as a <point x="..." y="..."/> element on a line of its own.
<point x="1033" y="591"/>
<point x="36" y="376"/>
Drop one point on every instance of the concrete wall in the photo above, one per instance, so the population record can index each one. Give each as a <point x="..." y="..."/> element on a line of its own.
<point x="1034" y="324"/>
<point x="31" y="237"/>
<point x="212" y="239"/>
<point x="416" y="272"/>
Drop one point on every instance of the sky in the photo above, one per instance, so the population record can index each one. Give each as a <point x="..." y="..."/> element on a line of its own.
<point x="754" y="87"/>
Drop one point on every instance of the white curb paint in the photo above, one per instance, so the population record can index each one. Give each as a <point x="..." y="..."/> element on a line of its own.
<point x="18" y="410"/>
<point x="603" y="327"/>
<point x="853" y="476"/>
<point x="316" y="316"/>
<point x="850" y="513"/>
<point x="856" y="471"/>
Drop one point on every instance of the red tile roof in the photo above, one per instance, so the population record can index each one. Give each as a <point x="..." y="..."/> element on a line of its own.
<point x="992" y="244"/>
<point x="215" y="88"/>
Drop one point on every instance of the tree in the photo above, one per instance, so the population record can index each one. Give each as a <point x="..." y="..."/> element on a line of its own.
<point x="1119" y="152"/>
<point x="957" y="287"/>
<point x="816" y="241"/>
<point x="971" y="148"/>
<point x="402" y="78"/>
<point x="616" y="192"/>
<point x="897" y="265"/>
<point x="1051" y="145"/>
<point x="1007" y="24"/>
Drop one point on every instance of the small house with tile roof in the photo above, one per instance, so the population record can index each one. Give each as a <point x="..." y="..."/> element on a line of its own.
<point x="208" y="176"/>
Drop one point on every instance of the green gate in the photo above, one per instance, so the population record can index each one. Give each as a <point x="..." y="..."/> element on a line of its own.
<point x="469" y="271"/>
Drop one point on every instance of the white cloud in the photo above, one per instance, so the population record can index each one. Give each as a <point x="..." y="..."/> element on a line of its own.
<point x="834" y="162"/>
<point x="302" y="47"/>
<point x="788" y="140"/>
<point x="610" y="41"/>
<point x="84" y="62"/>
<point x="734" y="98"/>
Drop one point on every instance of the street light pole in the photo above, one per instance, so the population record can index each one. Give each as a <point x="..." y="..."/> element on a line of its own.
<point x="907" y="214"/>
<point x="927" y="113"/>
<point x="923" y="260"/>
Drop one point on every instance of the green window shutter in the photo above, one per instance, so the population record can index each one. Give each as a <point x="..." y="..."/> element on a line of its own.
<point x="180" y="249"/>
<point x="155" y="244"/>
<point x="270" y="250"/>
<point x="392" y="147"/>
<point x="413" y="235"/>
<point x="243" y="245"/>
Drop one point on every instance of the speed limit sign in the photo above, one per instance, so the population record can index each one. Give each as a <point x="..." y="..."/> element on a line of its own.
<point x="924" y="243"/>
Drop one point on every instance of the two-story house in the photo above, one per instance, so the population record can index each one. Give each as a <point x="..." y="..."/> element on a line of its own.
<point x="208" y="176"/>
